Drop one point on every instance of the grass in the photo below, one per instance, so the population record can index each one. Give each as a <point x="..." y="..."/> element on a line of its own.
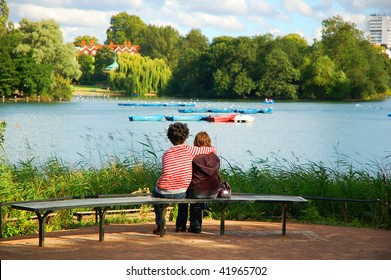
<point x="33" y="180"/>
<point x="85" y="90"/>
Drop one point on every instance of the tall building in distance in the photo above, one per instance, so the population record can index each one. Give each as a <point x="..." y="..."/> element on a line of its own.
<point x="379" y="27"/>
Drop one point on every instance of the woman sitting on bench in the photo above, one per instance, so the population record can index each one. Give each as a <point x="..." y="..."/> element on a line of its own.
<point x="176" y="167"/>
<point x="205" y="183"/>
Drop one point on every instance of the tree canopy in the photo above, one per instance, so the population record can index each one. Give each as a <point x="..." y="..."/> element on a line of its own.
<point x="341" y="65"/>
<point x="38" y="62"/>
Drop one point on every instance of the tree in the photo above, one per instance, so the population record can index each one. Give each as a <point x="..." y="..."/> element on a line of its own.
<point x="8" y="74"/>
<point x="103" y="58"/>
<point x="86" y="63"/>
<point x="140" y="75"/>
<point x="294" y="46"/>
<point x="342" y="41"/>
<point x="125" y="27"/>
<point x="33" y="77"/>
<point x="196" y="40"/>
<point x="192" y="76"/>
<point x="279" y="77"/>
<point x="42" y="41"/>
<point x="234" y="63"/>
<point x="86" y="38"/>
<point x="161" y="42"/>
<point x="4" y="11"/>
<point x="324" y="80"/>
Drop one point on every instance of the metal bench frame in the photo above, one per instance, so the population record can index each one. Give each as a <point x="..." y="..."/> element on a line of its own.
<point x="43" y="208"/>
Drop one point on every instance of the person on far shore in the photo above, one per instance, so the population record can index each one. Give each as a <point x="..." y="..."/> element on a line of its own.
<point x="176" y="167"/>
<point x="205" y="184"/>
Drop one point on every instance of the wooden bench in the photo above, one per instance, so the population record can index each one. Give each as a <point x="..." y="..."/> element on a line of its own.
<point x="101" y="205"/>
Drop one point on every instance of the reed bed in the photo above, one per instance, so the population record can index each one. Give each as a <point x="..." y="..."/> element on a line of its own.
<point x="33" y="180"/>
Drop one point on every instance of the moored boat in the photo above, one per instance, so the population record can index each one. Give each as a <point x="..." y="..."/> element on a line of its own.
<point x="220" y="110"/>
<point x="130" y="104"/>
<point x="244" y="119"/>
<point x="186" y="118"/>
<point x="193" y="110"/>
<point x="157" y="104"/>
<point x="187" y="104"/>
<point x="146" y="118"/>
<point x="249" y="111"/>
<point x="269" y="101"/>
<point x="222" y="118"/>
<point x="266" y="111"/>
<point x="389" y="114"/>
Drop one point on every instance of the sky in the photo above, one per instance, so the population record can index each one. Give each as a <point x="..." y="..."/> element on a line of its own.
<point x="213" y="17"/>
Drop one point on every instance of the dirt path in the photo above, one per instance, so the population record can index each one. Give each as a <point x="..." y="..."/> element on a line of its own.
<point x="242" y="241"/>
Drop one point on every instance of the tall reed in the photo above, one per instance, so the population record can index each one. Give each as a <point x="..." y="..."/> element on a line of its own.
<point x="32" y="180"/>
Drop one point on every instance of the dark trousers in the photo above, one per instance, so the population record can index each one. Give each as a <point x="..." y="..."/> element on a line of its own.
<point x="196" y="211"/>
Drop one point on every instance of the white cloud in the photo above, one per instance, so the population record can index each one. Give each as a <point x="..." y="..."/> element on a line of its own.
<point x="201" y="20"/>
<point x="298" y="6"/>
<point x="216" y="7"/>
<point x="222" y="17"/>
<point x="357" y="6"/>
<point x="68" y="17"/>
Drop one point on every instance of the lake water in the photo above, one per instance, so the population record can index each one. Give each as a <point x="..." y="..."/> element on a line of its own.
<point x="92" y="129"/>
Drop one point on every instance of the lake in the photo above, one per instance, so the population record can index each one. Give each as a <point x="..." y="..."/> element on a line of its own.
<point x="89" y="130"/>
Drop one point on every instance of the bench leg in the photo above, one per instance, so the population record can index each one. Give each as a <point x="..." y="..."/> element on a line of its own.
<point x="284" y="207"/>
<point x="222" y="219"/>
<point x="42" y="220"/>
<point x="101" y="214"/>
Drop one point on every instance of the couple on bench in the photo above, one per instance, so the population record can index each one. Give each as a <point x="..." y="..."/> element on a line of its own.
<point x="187" y="172"/>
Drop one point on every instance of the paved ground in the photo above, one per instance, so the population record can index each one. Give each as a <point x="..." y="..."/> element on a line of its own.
<point x="243" y="240"/>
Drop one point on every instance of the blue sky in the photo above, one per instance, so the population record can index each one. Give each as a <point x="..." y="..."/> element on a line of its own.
<point x="214" y="17"/>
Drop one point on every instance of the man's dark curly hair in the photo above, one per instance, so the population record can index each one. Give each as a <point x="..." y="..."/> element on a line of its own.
<point x="178" y="133"/>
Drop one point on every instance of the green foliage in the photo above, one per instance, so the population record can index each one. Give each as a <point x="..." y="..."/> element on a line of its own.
<point x="3" y="125"/>
<point x="140" y="75"/>
<point x="32" y="180"/>
<point x="86" y="63"/>
<point x="9" y="78"/>
<point x="103" y="58"/>
<point x="161" y="42"/>
<point x="36" y="61"/>
<point x="86" y="38"/>
<point x="125" y="27"/>
<point x="280" y="76"/>
<point x="342" y="65"/>
<point x="4" y="12"/>
<point x="355" y="57"/>
<point x="34" y="77"/>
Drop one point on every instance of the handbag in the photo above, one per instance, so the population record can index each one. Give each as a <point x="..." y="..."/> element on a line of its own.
<point x="225" y="190"/>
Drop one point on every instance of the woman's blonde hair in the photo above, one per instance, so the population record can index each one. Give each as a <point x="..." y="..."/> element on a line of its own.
<point x="202" y="139"/>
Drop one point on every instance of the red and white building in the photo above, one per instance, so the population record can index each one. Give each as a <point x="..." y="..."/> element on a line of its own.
<point x="92" y="48"/>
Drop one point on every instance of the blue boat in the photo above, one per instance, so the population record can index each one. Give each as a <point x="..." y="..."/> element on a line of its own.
<point x="172" y="104"/>
<point x="269" y="101"/>
<point x="186" y="118"/>
<point x="389" y="114"/>
<point x="146" y="118"/>
<point x="130" y="104"/>
<point x="187" y="104"/>
<point x="266" y="111"/>
<point x="154" y="104"/>
<point x="220" y="110"/>
<point x="193" y="110"/>
<point x="249" y="111"/>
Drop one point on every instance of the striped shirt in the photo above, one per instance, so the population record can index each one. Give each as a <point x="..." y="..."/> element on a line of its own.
<point x="177" y="168"/>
